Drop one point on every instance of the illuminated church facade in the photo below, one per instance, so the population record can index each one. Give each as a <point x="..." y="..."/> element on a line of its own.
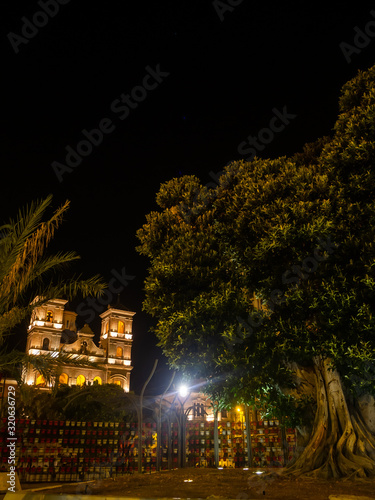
<point x="52" y="330"/>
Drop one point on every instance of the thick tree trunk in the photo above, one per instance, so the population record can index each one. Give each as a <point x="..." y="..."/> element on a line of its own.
<point x="341" y="444"/>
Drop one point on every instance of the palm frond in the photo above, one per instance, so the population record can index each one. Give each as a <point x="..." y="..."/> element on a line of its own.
<point x="28" y="240"/>
<point x="25" y="271"/>
<point x="12" y="363"/>
<point x="10" y="319"/>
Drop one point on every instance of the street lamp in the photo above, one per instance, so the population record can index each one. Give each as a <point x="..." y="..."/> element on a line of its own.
<point x="159" y="446"/>
<point x="246" y="420"/>
<point x="183" y="395"/>
<point x="140" y="417"/>
<point x="183" y="391"/>
<point x="248" y="435"/>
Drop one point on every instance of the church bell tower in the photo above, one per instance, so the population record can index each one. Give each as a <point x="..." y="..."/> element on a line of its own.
<point x="116" y="339"/>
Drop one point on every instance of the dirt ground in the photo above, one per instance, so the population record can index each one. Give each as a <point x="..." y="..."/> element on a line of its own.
<point x="215" y="484"/>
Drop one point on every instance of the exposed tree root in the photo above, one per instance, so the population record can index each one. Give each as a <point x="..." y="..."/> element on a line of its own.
<point x="340" y="445"/>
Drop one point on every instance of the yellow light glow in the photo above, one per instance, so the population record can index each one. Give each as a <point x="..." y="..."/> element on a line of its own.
<point x="183" y="391"/>
<point x="40" y="380"/>
<point x="81" y="379"/>
<point x="63" y="379"/>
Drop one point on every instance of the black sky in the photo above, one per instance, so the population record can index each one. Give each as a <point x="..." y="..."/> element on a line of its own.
<point x="225" y="78"/>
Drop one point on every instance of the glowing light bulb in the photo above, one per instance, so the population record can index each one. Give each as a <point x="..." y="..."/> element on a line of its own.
<point x="183" y="391"/>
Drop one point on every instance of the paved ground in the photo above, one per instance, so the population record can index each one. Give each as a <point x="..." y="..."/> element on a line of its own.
<point x="215" y="484"/>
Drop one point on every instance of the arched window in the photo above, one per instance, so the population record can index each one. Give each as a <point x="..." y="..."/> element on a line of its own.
<point x="107" y="327"/>
<point x="119" y="352"/>
<point x="121" y="327"/>
<point x="45" y="346"/>
<point x="49" y="317"/>
<point x="63" y="379"/>
<point x="40" y="380"/>
<point x="81" y="379"/>
<point x="117" y="382"/>
<point x="97" y="380"/>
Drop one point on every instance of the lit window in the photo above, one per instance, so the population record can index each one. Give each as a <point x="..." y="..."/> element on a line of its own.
<point x="49" y="317"/>
<point x="40" y="380"/>
<point x="97" y="380"/>
<point x="63" y="379"/>
<point x="121" y="327"/>
<point x="81" y="379"/>
<point x="117" y="382"/>
<point x="119" y="352"/>
<point x="107" y="327"/>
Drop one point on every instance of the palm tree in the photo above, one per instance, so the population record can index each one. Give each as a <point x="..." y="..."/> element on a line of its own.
<point x="29" y="277"/>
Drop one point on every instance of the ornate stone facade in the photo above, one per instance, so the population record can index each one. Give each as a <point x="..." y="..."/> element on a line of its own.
<point x="53" y="330"/>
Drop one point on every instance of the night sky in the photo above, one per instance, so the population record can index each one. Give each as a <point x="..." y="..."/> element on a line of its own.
<point x="176" y="88"/>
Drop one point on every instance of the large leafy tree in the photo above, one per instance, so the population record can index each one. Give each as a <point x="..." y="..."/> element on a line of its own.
<point x="264" y="285"/>
<point x="29" y="277"/>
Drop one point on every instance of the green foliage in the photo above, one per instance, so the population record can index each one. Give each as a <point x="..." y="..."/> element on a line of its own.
<point x="11" y="363"/>
<point x="96" y="402"/>
<point x="90" y="403"/>
<point x="290" y="410"/>
<point x="32" y="402"/>
<point x="212" y="251"/>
